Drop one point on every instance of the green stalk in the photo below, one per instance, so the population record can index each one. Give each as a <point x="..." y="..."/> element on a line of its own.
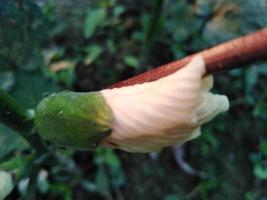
<point x="154" y="22"/>
<point x="152" y="28"/>
<point x="32" y="187"/>
<point x="19" y="119"/>
<point x="13" y="115"/>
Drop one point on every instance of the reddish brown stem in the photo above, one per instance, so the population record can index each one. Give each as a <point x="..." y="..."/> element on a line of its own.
<point x="228" y="55"/>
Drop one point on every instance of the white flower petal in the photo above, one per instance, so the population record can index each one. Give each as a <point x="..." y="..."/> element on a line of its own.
<point x="150" y="116"/>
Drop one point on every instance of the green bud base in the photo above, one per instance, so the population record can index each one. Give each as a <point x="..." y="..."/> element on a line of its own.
<point x="71" y="119"/>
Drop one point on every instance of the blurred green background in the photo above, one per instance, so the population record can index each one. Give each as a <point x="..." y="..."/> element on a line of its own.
<point x="82" y="45"/>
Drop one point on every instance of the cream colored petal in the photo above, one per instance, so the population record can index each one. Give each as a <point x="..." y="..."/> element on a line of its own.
<point x="207" y="83"/>
<point x="211" y="106"/>
<point x="150" y="116"/>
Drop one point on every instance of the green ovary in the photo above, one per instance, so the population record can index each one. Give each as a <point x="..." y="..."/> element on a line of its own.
<point x="78" y="120"/>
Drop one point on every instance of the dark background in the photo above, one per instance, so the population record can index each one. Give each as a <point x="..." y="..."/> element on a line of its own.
<point x="83" y="45"/>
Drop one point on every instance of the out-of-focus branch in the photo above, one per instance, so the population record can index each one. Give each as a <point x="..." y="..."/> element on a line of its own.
<point x="21" y="120"/>
<point x="232" y="54"/>
<point x="13" y="115"/>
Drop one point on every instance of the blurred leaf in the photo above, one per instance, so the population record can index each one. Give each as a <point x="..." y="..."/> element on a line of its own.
<point x="6" y="184"/>
<point x="23" y="186"/>
<point x="94" y="51"/>
<point x="94" y="19"/>
<point x="42" y="181"/>
<point x="217" y="31"/>
<point x="62" y="189"/>
<point x="260" y="171"/>
<point x="260" y="110"/>
<point x="107" y="3"/>
<point x="102" y="181"/>
<point x="251" y="77"/>
<point x="154" y="23"/>
<point x="254" y="14"/>
<point x="131" y="61"/>
<point x="204" y="8"/>
<point x="31" y="87"/>
<point x="21" y="34"/>
<point x="10" y="140"/>
<point x="251" y="80"/>
<point x="262" y="68"/>
<point x="111" y="46"/>
<point x="117" y="176"/>
<point x="114" y="164"/>
<point x="13" y="163"/>
<point x="66" y="77"/>
<point x="7" y="80"/>
<point x="172" y="197"/>
<point x="89" y="186"/>
<point x="263" y="147"/>
<point x="250" y="196"/>
<point x="28" y="90"/>
<point x="54" y="53"/>
<point x="118" y="10"/>
<point x="211" y="139"/>
<point x="112" y="159"/>
<point x="31" y="61"/>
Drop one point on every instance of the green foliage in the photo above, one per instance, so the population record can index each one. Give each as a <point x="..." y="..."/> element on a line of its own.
<point x="86" y="45"/>
<point x="10" y="141"/>
<point x="131" y="61"/>
<point x="94" y="19"/>
<point x="6" y="184"/>
<point x="31" y="87"/>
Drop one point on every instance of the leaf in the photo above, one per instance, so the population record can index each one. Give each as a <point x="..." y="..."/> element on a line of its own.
<point x="63" y="189"/>
<point x="254" y="14"/>
<point x="107" y="157"/>
<point x="14" y="163"/>
<point x="263" y="147"/>
<point x="6" y="80"/>
<point x="6" y="184"/>
<point x="10" y="140"/>
<point x="260" y="171"/>
<point x="102" y="180"/>
<point x="23" y="186"/>
<point x="117" y="176"/>
<point x="112" y="159"/>
<point x="42" y="182"/>
<point x="131" y="61"/>
<point x="94" y="19"/>
<point x="94" y="52"/>
<point x="66" y="77"/>
<point x="31" y="87"/>
<point x="261" y="106"/>
<point x="172" y="197"/>
<point x="31" y="61"/>
<point x="118" y="10"/>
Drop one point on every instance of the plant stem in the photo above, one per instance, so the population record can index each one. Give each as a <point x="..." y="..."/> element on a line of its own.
<point x="32" y="187"/>
<point x="19" y="119"/>
<point x="153" y="24"/>
<point x="13" y="115"/>
<point x="226" y="56"/>
<point x="155" y="18"/>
